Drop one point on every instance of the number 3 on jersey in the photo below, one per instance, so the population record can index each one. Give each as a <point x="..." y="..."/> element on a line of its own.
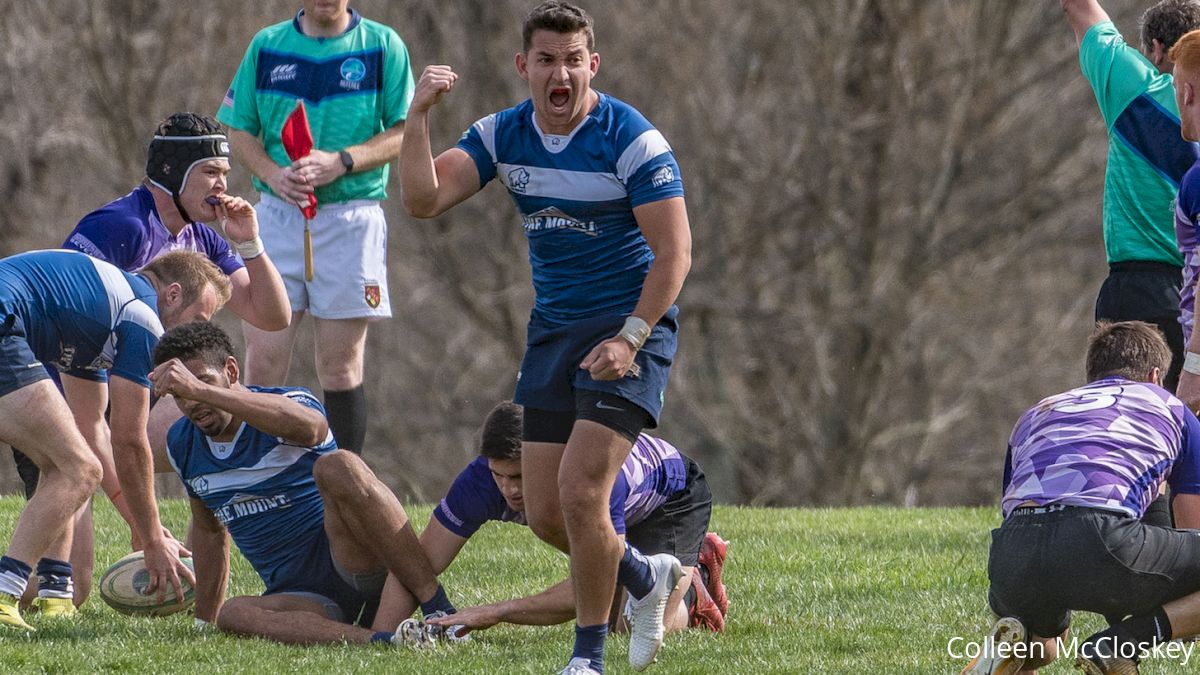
<point x="1092" y="400"/>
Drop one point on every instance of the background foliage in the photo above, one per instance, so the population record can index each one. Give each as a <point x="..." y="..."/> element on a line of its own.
<point x="895" y="207"/>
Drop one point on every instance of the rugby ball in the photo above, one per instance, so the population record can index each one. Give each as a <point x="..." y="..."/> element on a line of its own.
<point x="123" y="587"/>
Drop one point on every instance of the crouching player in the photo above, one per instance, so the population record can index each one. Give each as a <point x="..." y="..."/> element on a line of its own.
<point x="660" y="503"/>
<point x="1082" y="467"/>
<point x="315" y="523"/>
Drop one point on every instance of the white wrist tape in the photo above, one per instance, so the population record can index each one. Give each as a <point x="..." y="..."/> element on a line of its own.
<point x="635" y="331"/>
<point x="1191" y="363"/>
<point x="249" y="249"/>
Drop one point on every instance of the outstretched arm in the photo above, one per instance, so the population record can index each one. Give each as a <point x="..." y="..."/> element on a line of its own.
<point x="210" y="540"/>
<point x="552" y="606"/>
<point x="431" y="186"/>
<point x="1082" y="15"/>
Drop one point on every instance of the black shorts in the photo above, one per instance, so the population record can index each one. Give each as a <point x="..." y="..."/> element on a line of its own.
<point x="679" y="525"/>
<point x="1146" y="291"/>
<point x="1044" y="565"/>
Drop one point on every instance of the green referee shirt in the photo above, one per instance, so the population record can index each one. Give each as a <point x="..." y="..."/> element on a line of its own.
<point x="353" y="86"/>
<point x="1147" y="156"/>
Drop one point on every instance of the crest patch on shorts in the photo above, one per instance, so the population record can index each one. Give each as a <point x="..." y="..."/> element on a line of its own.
<point x="372" y="295"/>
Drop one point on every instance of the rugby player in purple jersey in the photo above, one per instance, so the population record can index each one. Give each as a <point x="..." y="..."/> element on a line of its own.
<point x="1081" y="468"/>
<point x="660" y="503"/>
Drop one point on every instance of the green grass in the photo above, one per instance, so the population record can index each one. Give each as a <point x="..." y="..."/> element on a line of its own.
<point x="814" y="591"/>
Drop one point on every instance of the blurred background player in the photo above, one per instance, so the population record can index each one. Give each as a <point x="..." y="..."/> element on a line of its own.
<point x="94" y="323"/>
<point x="1082" y="467"/>
<point x="1186" y="56"/>
<point x="186" y="169"/>
<point x="354" y="78"/>
<point x="316" y="524"/>
<point x="601" y="200"/>
<point x="660" y="503"/>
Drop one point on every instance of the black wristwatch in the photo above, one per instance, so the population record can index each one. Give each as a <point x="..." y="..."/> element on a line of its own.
<point x="347" y="160"/>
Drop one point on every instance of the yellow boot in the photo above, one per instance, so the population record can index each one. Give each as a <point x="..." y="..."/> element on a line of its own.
<point x="10" y="615"/>
<point x="56" y="608"/>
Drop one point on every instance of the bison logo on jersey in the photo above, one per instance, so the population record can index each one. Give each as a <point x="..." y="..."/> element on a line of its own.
<point x="518" y="180"/>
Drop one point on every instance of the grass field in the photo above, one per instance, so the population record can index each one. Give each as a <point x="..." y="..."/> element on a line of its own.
<point x="812" y="591"/>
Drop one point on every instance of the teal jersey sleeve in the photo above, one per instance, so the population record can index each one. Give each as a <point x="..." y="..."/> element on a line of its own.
<point x="239" y="108"/>
<point x="1117" y="72"/>
<point x="398" y="82"/>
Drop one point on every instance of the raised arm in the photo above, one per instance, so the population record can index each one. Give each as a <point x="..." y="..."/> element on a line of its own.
<point x="274" y="414"/>
<point x="210" y="541"/>
<point x="1082" y="15"/>
<point x="664" y="224"/>
<point x="258" y="294"/>
<point x="430" y="187"/>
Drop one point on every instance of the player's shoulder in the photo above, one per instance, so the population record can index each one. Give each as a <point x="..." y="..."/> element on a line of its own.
<point x="380" y="31"/>
<point x="298" y="393"/>
<point x="620" y="119"/>
<point x="273" y="33"/>
<point x="126" y="216"/>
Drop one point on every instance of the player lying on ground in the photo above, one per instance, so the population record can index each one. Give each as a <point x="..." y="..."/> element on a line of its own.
<point x="660" y="503"/>
<point x="86" y="317"/>
<point x="260" y="464"/>
<point x="1081" y="468"/>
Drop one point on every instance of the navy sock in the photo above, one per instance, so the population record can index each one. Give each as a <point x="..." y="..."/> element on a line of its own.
<point x="438" y="603"/>
<point x="1147" y="628"/>
<point x="14" y="575"/>
<point x="589" y="644"/>
<point x="382" y="636"/>
<point x="347" y="414"/>
<point x="54" y="579"/>
<point x="635" y="573"/>
<point x="689" y="598"/>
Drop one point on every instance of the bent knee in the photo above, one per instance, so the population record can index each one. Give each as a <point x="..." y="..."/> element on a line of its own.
<point x="581" y="500"/>
<point x="339" y="469"/>
<point x="232" y="616"/>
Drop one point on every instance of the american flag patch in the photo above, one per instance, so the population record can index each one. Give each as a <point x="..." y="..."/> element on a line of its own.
<point x="228" y="100"/>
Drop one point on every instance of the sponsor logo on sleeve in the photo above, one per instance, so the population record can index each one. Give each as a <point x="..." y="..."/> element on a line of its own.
<point x="662" y="177"/>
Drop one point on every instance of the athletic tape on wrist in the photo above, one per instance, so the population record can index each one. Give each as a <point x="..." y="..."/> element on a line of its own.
<point x="635" y="331"/>
<point x="250" y="249"/>
<point x="1191" y="363"/>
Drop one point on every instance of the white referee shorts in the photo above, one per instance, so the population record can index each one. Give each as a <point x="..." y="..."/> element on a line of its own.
<point x="349" y="251"/>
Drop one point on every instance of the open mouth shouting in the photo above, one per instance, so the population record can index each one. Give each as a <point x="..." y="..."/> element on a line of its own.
<point x="560" y="100"/>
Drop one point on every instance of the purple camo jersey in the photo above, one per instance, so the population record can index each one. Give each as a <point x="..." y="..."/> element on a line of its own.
<point x="654" y="471"/>
<point x="1187" y="233"/>
<point x="1106" y="445"/>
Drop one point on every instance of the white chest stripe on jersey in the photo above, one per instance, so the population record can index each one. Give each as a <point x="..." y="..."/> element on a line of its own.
<point x="580" y="186"/>
<point x="272" y="464"/>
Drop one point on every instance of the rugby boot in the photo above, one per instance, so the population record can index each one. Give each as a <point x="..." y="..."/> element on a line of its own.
<point x="713" y="551"/>
<point x="10" y="614"/>
<point x="412" y="633"/>
<point x="999" y="660"/>
<point x="646" y="633"/>
<point x="55" y="608"/>
<point x="705" y="611"/>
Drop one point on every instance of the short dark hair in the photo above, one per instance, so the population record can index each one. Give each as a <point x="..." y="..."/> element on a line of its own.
<point x="558" y="17"/>
<point x="192" y="271"/>
<point x="501" y="435"/>
<point x="189" y="124"/>
<point x="200" y="339"/>
<point x="1128" y="349"/>
<point x="1167" y="21"/>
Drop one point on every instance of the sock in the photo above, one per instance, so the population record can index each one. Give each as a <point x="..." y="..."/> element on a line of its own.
<point x="438" y="603"/>
<point x="703" y="570"/>
<point x="1147" y="628"/>
<point x="14" y="576"/>
<point x="54" y="579"/>
<point x="347" y="414"/>
<point x="689" y="598"/>
<point x="635" y="573"/>
<point x="382" y="636"/>
<point x="589" y="644"/>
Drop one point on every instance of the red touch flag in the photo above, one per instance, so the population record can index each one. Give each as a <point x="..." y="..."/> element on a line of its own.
<point x="298" y="142"/>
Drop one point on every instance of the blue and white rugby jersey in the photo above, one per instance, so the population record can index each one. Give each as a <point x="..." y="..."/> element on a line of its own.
<point x="576" y="196"/>
<point x="260" y="487"/>
<point x="82" y="315"/>
<point x="653" y="473"/>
